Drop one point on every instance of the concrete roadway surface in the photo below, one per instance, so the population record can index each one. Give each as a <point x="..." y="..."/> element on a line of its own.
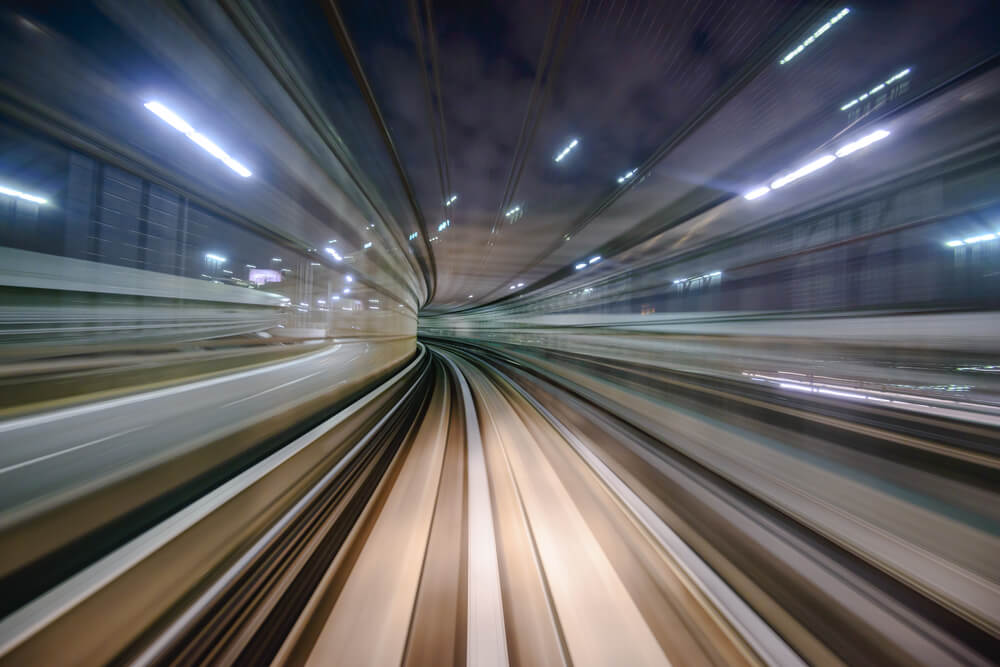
<point x="52" y="462"/>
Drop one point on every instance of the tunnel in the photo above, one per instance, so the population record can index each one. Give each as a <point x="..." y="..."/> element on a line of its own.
<point x="535" y="332"/>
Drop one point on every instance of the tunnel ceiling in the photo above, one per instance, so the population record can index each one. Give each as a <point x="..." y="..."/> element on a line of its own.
<point x="673" y="108"/>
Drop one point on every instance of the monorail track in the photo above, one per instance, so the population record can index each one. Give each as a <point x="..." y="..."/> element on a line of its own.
<point x="486" y="509"/>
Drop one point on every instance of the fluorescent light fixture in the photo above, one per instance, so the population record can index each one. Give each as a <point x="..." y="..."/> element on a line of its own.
<point x="581" y="265"/>
<point x="802" y="171"/>
<point x="813" y="37"/>
<point x="413" y="236"/>
<point x="212" y="257"/>
<point x="955" y="243"/>
<point x="867" y="140"/>
<point x="347" y="290"/>
<point x="513" y="287"/>
<point x="349" y="278"/>
<point x="227" y="271"/>
<point x="332" y="241"/>
<point x="315" y="264"/>
<point x="275" y="259"/>
<point x="11" y="192"/>
<point x="181" y="125"/>
<point x="976" y="239"/>
<point x="367" y="245"/>
<point x="757" y="193"/>
<point x="594" y="259"/>
<point x="444" y="225"/>
<point x="888" y="82"/>
<point x="512" y="211"/>
<point x="451" y="200"/>
<point x="714" y="273"/>
<point x="250" y="266"/>
<point x="172" y="119"/>
<point x="627" y="175"/>
<point x="564" y="152"/>
<point x="331" y="251"/>
<point x="520" y="284"/>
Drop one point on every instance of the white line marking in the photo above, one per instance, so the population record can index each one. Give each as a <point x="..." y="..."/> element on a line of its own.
<point x="46" y="417"/>
<point x="275" y="388"/>
<point x="52" y="455"/>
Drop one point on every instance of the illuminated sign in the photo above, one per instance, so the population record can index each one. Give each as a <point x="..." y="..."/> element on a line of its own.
<point x="263" y="276"/>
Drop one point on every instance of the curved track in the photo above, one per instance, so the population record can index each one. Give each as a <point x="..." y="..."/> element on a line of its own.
<point x="526" y="509"/>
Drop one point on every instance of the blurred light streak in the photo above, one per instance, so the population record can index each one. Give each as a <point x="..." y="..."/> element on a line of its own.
<point x="581" y="265"/>
<point x="181" y="125"/>
<point x="212" y="257"/>
<point x="512" y="211"/>
<point x="813" y="37"/>
<point x="594" y="259"/>
<point x="11" y="192"/>
<point x="863" y="142"/>
<point x="333" y="252"/>
<point x="451" y="200"/>
<point x="444" y="225"/>
<point x="888" y="82"/>
<point x="564" y="152"/>
<point x="628" y="175"/>
<point x="802" y="171"/>
<point x="757" y="193"/>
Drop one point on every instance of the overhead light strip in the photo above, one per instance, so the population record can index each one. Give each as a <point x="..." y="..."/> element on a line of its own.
<point x="182" y="126"/>
<point x="888" y="82"/>
<point x="817" y="164"/>
<point x="816" y="35"/>
<point x="11" y="192"/>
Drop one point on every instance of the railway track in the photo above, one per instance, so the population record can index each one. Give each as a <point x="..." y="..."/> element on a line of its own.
<point x="495" y="509"/>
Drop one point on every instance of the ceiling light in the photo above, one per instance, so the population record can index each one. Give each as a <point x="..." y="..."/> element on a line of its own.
<point x="805" y="170"/>
<point x="756" y="193"/>
<point x="11" y="192"/>
<point x="181" y="125"/>
<point x="581" y="265"/>
<point x="520" y="284"/>
<point x="594" y="259"/>
<point x="564" y="152"/>
<point x="512" y="211"/>
<point x="888" y="82"/>
<point x="627" y="175"/>
<point x="955" y="243"/>
<point x="214" y="258"/>
<point x="349" y="278"/>
<point x="331" y="251"/>
<point x="444" y="225"/>
<point x="367" y="245"/>
<point x="413" y="236"/>
<point x="867" y="140"/>
<point x="813" y="37"/>
<point x="451" y="200"/>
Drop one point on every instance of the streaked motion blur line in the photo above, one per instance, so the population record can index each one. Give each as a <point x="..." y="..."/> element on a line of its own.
<point x="11" y="192"/>
<point x="182" y="126"/>
<point x="813" y="37"/>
